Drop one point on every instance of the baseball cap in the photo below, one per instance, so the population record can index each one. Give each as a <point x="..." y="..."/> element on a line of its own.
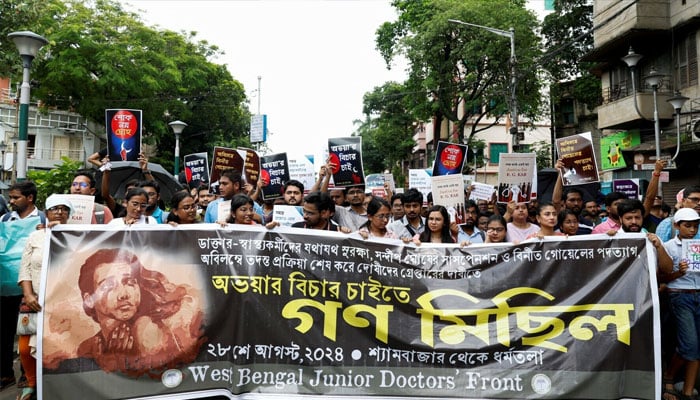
<point x="58" y="200"/>
<point x="686" y="214"/>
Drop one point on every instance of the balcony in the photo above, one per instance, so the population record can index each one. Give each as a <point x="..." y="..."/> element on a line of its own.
<point x="617" y="110"/>
<point x="618" y="19"/>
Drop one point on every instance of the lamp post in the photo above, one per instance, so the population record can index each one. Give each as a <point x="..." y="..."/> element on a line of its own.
<point x="513" y="75"/>
<point x="3" y="147"/>
<point x="178" y="127"/>
<point x="654" y="80"/>
<point x="28" y="44"/>
<point x="677" y="101"/>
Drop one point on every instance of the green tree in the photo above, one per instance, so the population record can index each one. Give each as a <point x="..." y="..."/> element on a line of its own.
<point x="56" y="180"/>
<point x="462" y="73"/>
<point x="568" y="36"/>
<point x="101" y="56"/>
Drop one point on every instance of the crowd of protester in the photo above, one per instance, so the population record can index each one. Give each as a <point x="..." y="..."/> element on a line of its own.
<point x="408" y="217"/>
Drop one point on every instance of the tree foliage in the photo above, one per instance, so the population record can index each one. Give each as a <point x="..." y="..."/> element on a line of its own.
<point x="101" y="56"/>
<point x="56" y="180"/>
<point x="568" y="36"/>
<point x="463" y="73"/>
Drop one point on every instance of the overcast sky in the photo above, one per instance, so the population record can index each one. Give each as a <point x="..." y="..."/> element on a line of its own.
<point x="316" y="58"/>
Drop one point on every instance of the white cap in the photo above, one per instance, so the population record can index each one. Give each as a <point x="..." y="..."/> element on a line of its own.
<point x="686" y="214"/>
<point x="59" y="200"/>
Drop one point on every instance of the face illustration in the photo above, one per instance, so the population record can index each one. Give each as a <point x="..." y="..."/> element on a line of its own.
<point x="292" y="195"/>
<point x="243" y="214"/>
<point x="570" y="225"/>
<point x="186" y="211"/>
<point x="435" y="221"/>
<point x="547" y="217"/>
<point x="135" y="206"/>
<point x="81" y="185"/>
<point x="632" y="221"/>
<point x="380" y="219"/>
<point x="117" y="292"/>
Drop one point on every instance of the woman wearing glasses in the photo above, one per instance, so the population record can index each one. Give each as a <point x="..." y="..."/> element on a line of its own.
<point x="496" y="229"/>
<point x="58" y="211"/>
<point x="378" y="216"/>
<point x="183" y="209"/>
<point x="136" y="203"/>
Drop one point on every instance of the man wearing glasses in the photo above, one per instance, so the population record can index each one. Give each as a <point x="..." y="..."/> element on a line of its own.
<point x="691" y="199"/>
<point x="84" y="184"/>
<point x="153" y="210"/>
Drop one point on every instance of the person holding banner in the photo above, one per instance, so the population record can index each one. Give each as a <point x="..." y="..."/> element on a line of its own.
<point x="136" y="203"/>
<point x="183" y="209"/>
<point x="378" y="215"/>
<point x="412" y="223"/>
<point x="58" y="210"/>
<point x="547" y="218"/>
<point x="496" y="229"/>
<point x="438" y="227"/>
<point x="84" y="184"/>
<point x="612" y="223"/>
<point x="318" y="207"/>
<point x="520" y="227"/>
<point x="243" y="212"/>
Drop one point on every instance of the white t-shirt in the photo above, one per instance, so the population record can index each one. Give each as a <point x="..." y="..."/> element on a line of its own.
<point x="143" y="220"/>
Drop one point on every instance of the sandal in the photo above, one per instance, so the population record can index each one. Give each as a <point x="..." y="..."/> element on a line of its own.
<point x="28" y="393"/>
<point x="7" y="382"/>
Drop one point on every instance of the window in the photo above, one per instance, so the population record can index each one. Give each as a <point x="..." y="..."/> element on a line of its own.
<point x="687" y="61"/>
<point x="567" y="111"/>
<point x="495" y="150"/>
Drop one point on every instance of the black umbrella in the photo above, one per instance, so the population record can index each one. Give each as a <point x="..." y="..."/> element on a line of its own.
<point x="124" y="171"/>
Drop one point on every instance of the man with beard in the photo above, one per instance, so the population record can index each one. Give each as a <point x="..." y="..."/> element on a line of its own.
<point x="293" y="193"/>
<point x="152" y="188"/>
<point x="412" y="223"/>
<point x="84" y="184"/>
<point x="468" y="231"/>
<point x="318" y="207"/>
<point x="691" y="199"/>
<point x="612" y="223"/>
<point x="229" y="186"/>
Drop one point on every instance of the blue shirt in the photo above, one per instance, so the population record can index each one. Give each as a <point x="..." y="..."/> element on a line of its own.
<point x="691" y="280"/>
<point x="476" y="237"/>
<point x="212" y="214"/>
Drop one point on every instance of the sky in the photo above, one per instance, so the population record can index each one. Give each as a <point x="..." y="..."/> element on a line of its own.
<point x="316" y="59"/>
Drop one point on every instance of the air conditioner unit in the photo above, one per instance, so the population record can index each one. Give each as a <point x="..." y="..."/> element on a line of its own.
<point x="695" y="130"/>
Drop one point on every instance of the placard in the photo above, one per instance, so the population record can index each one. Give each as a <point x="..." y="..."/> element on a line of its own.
<point x="123" y="134"/>
<point x="576" y="152"/>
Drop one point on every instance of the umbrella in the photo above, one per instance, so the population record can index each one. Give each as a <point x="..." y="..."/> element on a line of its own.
<point x="124" y="171"/>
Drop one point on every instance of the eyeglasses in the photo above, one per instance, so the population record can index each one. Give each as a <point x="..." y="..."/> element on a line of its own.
<point x="382" y="216"/>
<point x="695" y="200"/>
<point x="57" y="209"/>
<point x="81" y="184"/>
<point x="137" y="204"/>
<point x="491" y="230"/>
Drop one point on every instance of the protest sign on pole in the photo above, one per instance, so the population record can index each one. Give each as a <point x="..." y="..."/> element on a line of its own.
<point x="251" y="165"/>
<point x="449" y="158"/>
<point x="346" y="156"/>
<point x="274" y="172"/>
<point x="576" y="152"/>
<point x="290" y="312"/>
<point x="197" y="168"/>
<point x="123" y="134"/>
<point x="516" y="174"/>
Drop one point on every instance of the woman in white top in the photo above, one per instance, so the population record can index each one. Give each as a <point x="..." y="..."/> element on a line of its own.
<point x="136" y="203"/>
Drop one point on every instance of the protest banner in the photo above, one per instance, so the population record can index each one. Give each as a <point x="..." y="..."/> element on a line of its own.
<point x="375" y="184"/>
<point x="448" y="191"/>
<point x="83" y="206"/>
<point x="223" y="159"/>
<point x="274" y="172"/>
<point x="346" y="156"/>
<point x="301" y="168"/>
<point x="449" y="158"/>
<point x="251" y="165"/>
<point x="576" y="152"/>
<point x="196" y="168"/>
<point x="630" y="187"/>
<point x="123" y="134"/>
<point x="314" y="313"/>
<point x="516" y="174"/>
<point x="287" y="215"/>
<point x="481" y="191"/>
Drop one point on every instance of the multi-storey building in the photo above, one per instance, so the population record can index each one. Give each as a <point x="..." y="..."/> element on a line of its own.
<point x="665" y="34"/>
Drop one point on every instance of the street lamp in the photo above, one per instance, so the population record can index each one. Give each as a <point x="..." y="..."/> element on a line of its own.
<point x="28" y="44"/>
<point x="654" y="80"/>
<point x="178" y="127"/>
<point x="677" y="101"/>
<point x="474" y="150"/>
<point x="513" y="75"/>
